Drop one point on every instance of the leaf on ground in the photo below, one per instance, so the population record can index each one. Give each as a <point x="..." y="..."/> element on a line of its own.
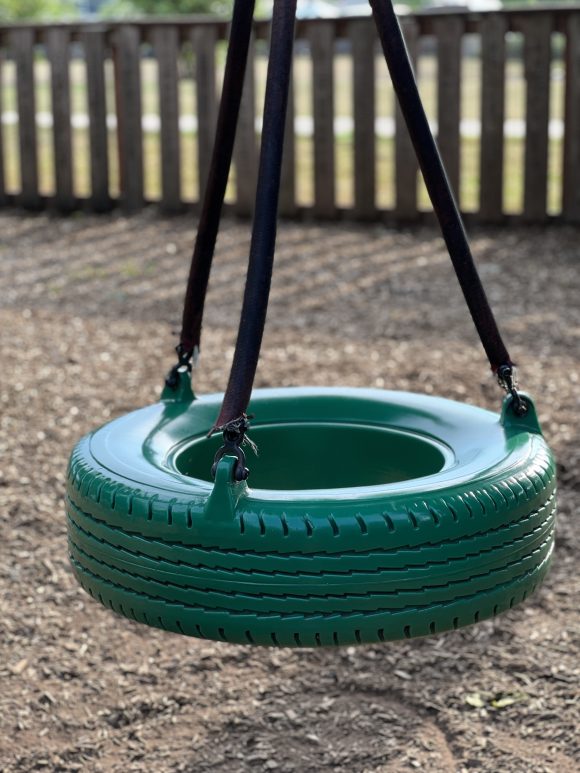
<point x="498" y="700"/>
<point x="475" y="699"/>
<point x="503" y="699"/>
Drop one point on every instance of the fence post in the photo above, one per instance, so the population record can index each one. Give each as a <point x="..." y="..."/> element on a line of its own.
<point x="94" y="45"/>
<point x="449" y="32"/>
<point x="166" y="45"/>
<point x="57" y="45"/>
<point x="22" y="44"/>
<point x="363" y="38"/>
<point x="571" y="171"/>
<point x="537" y="31"/>
<point x="406" y="164"/>
<point x="245" y="149"/>
<point x="127" y="64"/>
<point x="287" y="204"/>
<point x="321" y="38"/>
<point x="2" y="170"/>
<point x="493" y="32"/>
<point x="204" y="44"/>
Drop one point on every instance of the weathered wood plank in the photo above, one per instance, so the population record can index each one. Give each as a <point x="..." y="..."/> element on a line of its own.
<point x="321" y="38"/>
<point x="57" y="41"/>
<point x="287" y="205"/>
<point x="406" y="164"/>
<point x="245" y="149"/>
<point x="204" y="46"/>
<point x="22" y="45"/>
<point x="166" y="44"/>
<point x="537" y="56"/>
<point x="2" y="170"/>
<point x="493" y="58"/>
<point x="449" y="32"/>
<point x="126" y="57"/>
<point x="363" y="38"/>
<point x="94" y="46"/>
<point x="571" y="171"/>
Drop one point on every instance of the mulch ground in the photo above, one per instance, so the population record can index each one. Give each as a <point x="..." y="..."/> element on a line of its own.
<point x="88" y="312"/>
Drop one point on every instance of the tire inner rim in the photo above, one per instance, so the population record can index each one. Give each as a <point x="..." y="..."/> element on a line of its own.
<point x="315" y="455"/>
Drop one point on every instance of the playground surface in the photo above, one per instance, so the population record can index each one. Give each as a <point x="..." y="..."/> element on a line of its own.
<point x="89" y="308"/>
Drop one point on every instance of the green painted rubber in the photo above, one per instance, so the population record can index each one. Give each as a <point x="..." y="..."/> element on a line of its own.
<point x="451" y="519"/>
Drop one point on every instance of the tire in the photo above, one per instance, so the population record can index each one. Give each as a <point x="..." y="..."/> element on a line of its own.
<point x="463" y="531"/>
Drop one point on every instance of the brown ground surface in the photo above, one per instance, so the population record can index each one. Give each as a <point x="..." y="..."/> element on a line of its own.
<point x="87" y="314"/>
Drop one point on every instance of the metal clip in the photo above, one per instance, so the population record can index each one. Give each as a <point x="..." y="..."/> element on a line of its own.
<point x="184" y="358"/>
<point x="234" y="434"/>
<point x="507" y="380"/>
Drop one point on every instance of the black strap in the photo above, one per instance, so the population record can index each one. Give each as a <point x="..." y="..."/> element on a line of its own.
<point x="235" y="69"/>
<point x="263" y="242"/>
<point x="232" y="419"/>
<point x="438" y="186"/>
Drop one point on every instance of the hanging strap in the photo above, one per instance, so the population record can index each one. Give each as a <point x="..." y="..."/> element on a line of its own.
<point x="235" y="69"/>
<point x="232" y="419"/>
<point x="263" y="242"/>
<point x="440" y="193"/>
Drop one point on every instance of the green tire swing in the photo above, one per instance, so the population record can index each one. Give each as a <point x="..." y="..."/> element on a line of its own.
<point x="369" y="515"/>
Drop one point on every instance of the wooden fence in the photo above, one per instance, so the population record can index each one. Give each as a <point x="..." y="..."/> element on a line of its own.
<point x="107" y="143"/>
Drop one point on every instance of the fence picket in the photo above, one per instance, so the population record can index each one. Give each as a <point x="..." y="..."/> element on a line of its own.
<point x="204" y="44"/>
<point x="363" y="37"/>
<point x="166" y="44"/>
<point x="493" y="57"/>
<point x="571" y="170"/>
<point x="406" y="164"/>
<point x="288" y="180"/>
<point x="321" y="38"/>
<point x="449" y="33"/>
<point x="129" y="127"/>
<point x="537" y="55"/>
<point x="57" y="47"/>
<point x="245" y="149"/>
<point x="22" y="45"/>
<point x="2" y="170"/>
<point x="94" y="46"/>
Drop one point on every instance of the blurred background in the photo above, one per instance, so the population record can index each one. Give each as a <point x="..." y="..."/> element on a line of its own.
<point x="97" y="98"/>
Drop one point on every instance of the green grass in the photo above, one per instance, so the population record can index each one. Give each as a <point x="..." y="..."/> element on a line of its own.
<point x="344" y="186"/>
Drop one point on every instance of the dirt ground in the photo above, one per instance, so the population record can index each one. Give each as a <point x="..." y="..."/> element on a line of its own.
<point x="88" y="312"/>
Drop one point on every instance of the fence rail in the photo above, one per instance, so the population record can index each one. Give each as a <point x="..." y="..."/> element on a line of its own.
<point x="102" y="115"/>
